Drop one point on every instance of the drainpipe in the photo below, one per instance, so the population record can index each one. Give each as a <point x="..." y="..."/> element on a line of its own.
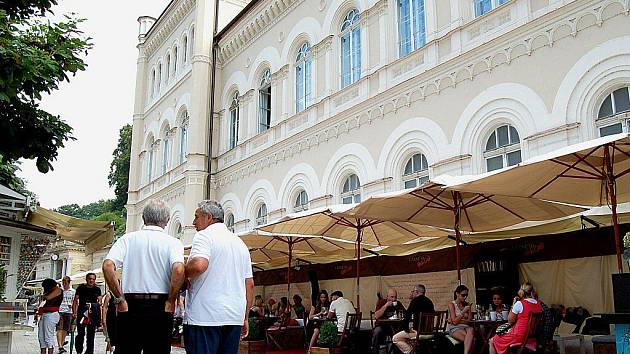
<point x="215" y="47"/>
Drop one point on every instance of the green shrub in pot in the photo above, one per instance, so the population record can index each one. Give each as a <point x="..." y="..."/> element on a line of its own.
<point x="327" y="335"/>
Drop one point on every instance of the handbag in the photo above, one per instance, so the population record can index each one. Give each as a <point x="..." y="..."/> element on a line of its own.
<point x="503" y="329"/>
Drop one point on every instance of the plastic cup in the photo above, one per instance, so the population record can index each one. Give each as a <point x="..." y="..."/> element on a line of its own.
<point x="493" y="315"/>
<point x="505" y="314"/>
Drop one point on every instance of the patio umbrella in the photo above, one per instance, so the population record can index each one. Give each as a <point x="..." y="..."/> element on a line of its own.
<point x="337" y="221"/>
<point x="433" y="204"/>
<point x="592" y="173"/>
<point x="288" y="244"/>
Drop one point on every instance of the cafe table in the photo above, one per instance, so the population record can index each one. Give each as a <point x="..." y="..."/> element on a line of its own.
<point x="394" y="324"/>
<point x="486" y="329"/>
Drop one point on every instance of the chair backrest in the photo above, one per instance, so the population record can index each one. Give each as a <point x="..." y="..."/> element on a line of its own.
<point x="533" y="321"/>
<point x="353" y="324"/>
<point x="431" y="322"/>
<point x="372" y="319"/>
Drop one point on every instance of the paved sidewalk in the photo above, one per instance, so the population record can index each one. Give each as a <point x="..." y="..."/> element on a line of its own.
<point x="27" y="343"/>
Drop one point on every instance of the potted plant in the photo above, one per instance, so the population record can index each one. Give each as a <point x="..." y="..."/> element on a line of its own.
<point x="254" y="343"/>
<point x="327" y="340"/>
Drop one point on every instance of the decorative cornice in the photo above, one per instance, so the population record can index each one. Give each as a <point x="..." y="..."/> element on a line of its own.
<point x="464" y="67"/>
<point x="201" y="58"/>
<point x="322" y="47"/>
<point x="166" y="24"/>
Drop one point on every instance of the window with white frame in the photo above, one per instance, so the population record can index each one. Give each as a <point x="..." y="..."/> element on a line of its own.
<point x="166" y="146"/>
<point x="503" y="148"/>
<point x="411" y="25"/>
<point x="175" y="58"/>
<point x="229" y="222"/>
<point x="301" y="201"/>
<point x="150" y="164"/>
<point x="168" y="68"/>
<point x="159" y="78"/>
<point x="484" y="6"/>
<point x="416" y="171"/>
<point x="614" y="113"/>
<point x="261" y="215"/>
<point x="183" y="143"/>
<point x="351" y="191"/>
<point x="191" y="42"/>
<point x="179" y="231"/>
<point x="152" y="87"/>
<point x="264" y="102"/>
<point x="350" y="48"/>
<point x="233" y="124"/>
<point x="303" y="77"/>
<point x="185" y="49"/>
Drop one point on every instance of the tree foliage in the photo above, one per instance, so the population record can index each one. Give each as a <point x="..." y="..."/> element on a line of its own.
<point x="35" y="57"/>
<point x="119" y="168"/>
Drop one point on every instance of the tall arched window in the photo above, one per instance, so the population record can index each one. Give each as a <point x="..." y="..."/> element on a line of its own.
<point x="179" y="231"/>
<point x="159" y="78"/>
<point x="301" y="201"/>
<point x="411" y="27"/>
<point x="166" y="146"/>
<point x="191" y="42"/>
<point x="351" y="191"/>
<point x="503" y="148"/>
<point x="609" y="118"/>
<point x="483" y="6"/>
<point x="229" y="222"/>
<point x="233" y="124"/>
<point x="150" y="164"/>
<point x="183" y="138"/>
<point x="175" y="59"/>
<point x="261" y="215"/>
<point x="264" y="102"/>
<point x="168" y="68"/>
<point x="350" y="49"/>
<point x="416" y="171"/>
<point x="303" y="78"/>
<point x="185" y="49"/>
<point x="152" y="87"/>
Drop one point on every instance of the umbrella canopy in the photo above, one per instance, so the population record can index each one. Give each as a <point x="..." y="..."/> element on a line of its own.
<point x="433" y="204"/>
<point x="338" y="221"/>
<point x="593" y="173"/>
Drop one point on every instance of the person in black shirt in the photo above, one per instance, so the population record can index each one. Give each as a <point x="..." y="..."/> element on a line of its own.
<point x="388" y="309"/>
<point x="87" y="299"/>
<point x="419" y="304"/>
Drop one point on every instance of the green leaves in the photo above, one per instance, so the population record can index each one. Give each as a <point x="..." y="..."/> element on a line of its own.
<point x="119" y="168"/>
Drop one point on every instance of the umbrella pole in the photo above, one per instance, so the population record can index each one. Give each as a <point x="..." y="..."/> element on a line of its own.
<point x="612" y="194"/>
<point x="358" y="249"/>
<point x="457" y="210"/>
<point x="289" y="271"/>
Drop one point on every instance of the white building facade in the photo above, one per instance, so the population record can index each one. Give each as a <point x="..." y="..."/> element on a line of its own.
<point x="330" y="101"/>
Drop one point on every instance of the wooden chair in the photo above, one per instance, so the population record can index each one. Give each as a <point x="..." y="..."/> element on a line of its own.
<point x="529" y="343"/>
<point x="352" y="325"/>
<point x="284" y="336"/>
<point x="430" y="325"/>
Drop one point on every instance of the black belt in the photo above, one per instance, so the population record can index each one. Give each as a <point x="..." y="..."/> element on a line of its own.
<point x="146" y="296"/>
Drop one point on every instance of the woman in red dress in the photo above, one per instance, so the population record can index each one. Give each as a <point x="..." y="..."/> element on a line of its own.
<point x="524" y="304"/>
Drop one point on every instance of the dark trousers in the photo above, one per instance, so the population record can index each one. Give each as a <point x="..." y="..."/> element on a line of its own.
<point x="144" y="328"/>
<point x="212" y="340"/>
<point x="81" y="332"/>
<point x="378" y="336"/>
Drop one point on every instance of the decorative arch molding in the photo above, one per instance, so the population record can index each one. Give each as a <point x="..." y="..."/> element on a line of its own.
<point x="177" y="215"/>
<point x="605" y="67"/>
<point x="269" y="57"/>
<point x="415" y="135"/>
<point x="261" y="191"/>
<point x="300" y="176"/>
<point x="350" y="158"/>
<point x="337" y="10"/>
<point x="305" y="30"/>
<point x="167" y="120"/>
<point x="232" y="205"/>
<point x="179" y="117"/>
<point x="183" y="103"/>
<point x="237" y="81"/>
<point x="148" y="141"/>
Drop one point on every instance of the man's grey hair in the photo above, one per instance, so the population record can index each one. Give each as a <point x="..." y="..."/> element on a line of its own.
<point x="210" y="207"/>
<point x="421" y="289"/>
<point x="156" y="212"/>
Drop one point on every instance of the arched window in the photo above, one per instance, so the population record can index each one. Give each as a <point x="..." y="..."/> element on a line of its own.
<point x="350" y="49"/>
<point x="166" y="146"/>
<point x="229" y="222"/>
<point x="301" y="201"/>
<point x="261" y="215"/>
<point x="233" y="124"/>
<point x="351" y="191"/>
<point x="183" y="138"/>
<point x="303" y="78"/>
<point x="175" y="59"/>
<point x="159" y="78"/>
<point x="609" y="118"/>
<point x="191" y="42"/>
<point x="150" y="164"/>
<point x="152" y="87"/>
<point x="503" y="148"/>
<point x="411" y="27"/>
<point x="179" y="231"/>
<point x="416" y="171"/>
<point x="483" y="6"/>
<point x="264" y="102"/>
<point x="185" y="49"/>
<point x="168" y="67"/>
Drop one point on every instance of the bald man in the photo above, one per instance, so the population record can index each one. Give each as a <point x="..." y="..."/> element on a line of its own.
<point x="387" y="310"/>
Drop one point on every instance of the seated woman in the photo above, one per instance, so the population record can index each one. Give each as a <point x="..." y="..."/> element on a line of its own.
<point x="459" y="314"/>
<point x="258" y="309"/>
<point x="298" y="308"/>
<point x="497" y="302"/>
<point x="524" y="304"/>
<point x="317" y="312"/>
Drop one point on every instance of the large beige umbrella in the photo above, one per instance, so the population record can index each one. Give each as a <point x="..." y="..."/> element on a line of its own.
<point x="265" y="242"/>
<point x="593" y="173"/>
<point x="433" y="204"/>
<point x="337" y="221"/>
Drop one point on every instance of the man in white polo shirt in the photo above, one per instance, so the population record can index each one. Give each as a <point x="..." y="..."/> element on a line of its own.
<point x="221" y="286"/>
<point x="153" y="273"/>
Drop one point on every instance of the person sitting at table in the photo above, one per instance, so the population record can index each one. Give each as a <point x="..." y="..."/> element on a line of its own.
<point x="497" y="301"/>
<point x="419" y="304"/>
<point x="258" y="309"/>
<point x="284" y="309"/>
<point x="387" y="309"/>
<point x="317" y="312"/>
<point x="524" y="304"/>
<point x="298" y="308"/>
<point x="272" y="306"/>
<point x="339" y="308"/>
<point x="459" y="315"/>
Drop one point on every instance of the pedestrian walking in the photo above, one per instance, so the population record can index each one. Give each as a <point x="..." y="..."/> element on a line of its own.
<point x="152" y="274"/>
<point x="221" y="286"/>
<point x="86" y="308"/>
<point x="64" y="326"/>
<point x="49" y="312"/>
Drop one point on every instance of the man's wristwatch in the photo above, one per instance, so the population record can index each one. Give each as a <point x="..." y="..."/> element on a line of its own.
<point x="118" y="300"/>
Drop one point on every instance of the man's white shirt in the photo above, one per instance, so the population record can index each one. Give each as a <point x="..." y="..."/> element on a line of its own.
<point x="217" y="296"/>
<point x="66" y="303"/>
<point x="341" y="307"/>
<point x="146" y="257"/>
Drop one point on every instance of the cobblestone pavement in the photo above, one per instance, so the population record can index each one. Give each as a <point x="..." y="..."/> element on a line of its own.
<point x="27" y="343"/>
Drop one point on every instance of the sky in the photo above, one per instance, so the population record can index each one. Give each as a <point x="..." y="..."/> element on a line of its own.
<point x="96" y="103"/>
